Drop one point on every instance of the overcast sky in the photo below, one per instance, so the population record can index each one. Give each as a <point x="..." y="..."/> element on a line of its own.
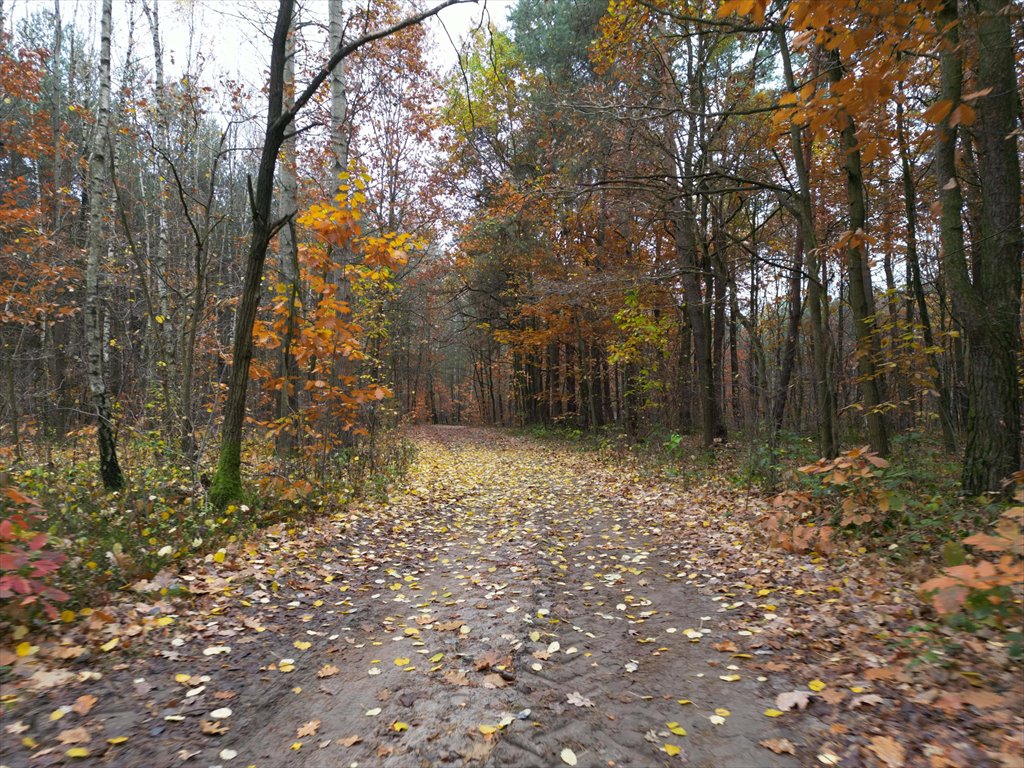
<point x="233" y="35"/>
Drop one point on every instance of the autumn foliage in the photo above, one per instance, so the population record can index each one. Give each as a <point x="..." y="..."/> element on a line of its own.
<point x="27" y="565"/>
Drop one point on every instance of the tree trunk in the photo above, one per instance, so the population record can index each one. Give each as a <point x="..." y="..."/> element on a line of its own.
<point x="824" y="387"/>
<point x="986" y="295"/>
<point x="288" y="255"/>
<point x="861" y="298"/>
<point x="913" y="262"/>
<point x="110" y="469"/>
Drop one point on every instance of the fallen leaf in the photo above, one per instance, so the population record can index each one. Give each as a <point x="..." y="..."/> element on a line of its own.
<point x="889" y="751"/>
<point x="866" y="699"/>
<point x="578" y="700"/>
<point x="786" y="701"/>
<point x="779" y="746"/>
<point x="77" y="752"/>
<point x="308" y="729"/>
<point x="772" y="712"/>
<point x="568" y="756"/>
<point x="349" y="741"/>
<point x="816" y="685"/>
<point x="83" y="704"/>
<point x="77" y="735"/>
<point x="399" y="726"/>
<point x="213" y="727"/>
<point x="328" y="670"/>
<point x="671" y="750"/>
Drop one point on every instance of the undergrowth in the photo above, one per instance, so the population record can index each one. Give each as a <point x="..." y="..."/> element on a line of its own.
<point x="107" y="541"/>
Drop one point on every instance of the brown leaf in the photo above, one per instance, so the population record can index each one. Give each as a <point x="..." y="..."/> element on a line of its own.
<point x="494" y="681"/>
<point x="983" y="699"/>
<point x="83" y="704"/>
<point x="779" y="746"/>
<point x="213" y="727"/>
<point x="224" y="695"/>
<point x="349" y="741"/>
<point x="74" y="736"/>
<point x="833" y="695"/>
<point x="308" y="729"/>
<point x="328" y="670"/>
<point x="456" y="677"/>
<point x="889" y="751"/>
<point x="866" y="699"/>
<point x="786" y="701"/>
<point x="487" y="660"/>
<point x="726" y="646"/>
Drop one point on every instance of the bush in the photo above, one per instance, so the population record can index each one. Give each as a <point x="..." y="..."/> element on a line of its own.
<point x="989" y="590"/>
<point x="25" y="563"/>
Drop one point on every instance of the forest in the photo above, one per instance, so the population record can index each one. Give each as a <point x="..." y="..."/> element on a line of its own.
<point x="511" y="383"/>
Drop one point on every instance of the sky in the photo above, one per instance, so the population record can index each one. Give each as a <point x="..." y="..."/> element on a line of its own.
<point x="233" y="35"/>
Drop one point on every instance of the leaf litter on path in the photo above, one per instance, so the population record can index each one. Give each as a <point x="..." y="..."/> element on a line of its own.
<point x="506" y="576"/>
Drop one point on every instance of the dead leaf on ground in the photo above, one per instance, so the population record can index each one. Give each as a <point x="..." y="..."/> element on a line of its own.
<point x="328" y="670"/>
<point x="83" y="704"/>
<point x="786" y="701"/>
<point x="779" y="746"/>
<point x="308" y="729"/>
<point x="889" y="751"/>
<point x="77" y="735"/>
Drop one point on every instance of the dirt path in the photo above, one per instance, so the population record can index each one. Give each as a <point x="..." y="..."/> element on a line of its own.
<point x="517" y="606"/>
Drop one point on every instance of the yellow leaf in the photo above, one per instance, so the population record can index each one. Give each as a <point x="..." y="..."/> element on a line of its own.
<point x="729" y="678"/>
<point x="302" y="645"/>
<point x="436" y="658"/>
<point x="671" y="750"/>
<point x="399" y="726"/>
<point x="685" y="701"/>
<point x="219" y="555"/>
<point x="117" y="740"/>
<point x="164" y="621"/>
<point x="26" y="649"/>
<point x="159" y="319"/>
<point x="722" y="712"/>
<point x="67" y="616"/>
<point x="181" y="677"/>
<point x="676" y="728"/>
<point x="77" y="752"/>
<point x="486" y="730"/>
<point x="296" y="746"/>
<point x="57" y="714"/>
<point x="772" y="712"/>
<point x="401" y="661"/>
<point x="816" y="685"/>
<point x="28" y="742"/>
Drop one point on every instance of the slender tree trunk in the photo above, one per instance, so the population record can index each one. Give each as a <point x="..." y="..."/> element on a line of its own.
<point x="795" y="309"/>
<point x="110" y="469"/>
<point x="824" y="386"/>
<point x="160" y="324"/>
<point x="861" y="298"/>
<point x="288" y="256"/>
<point x="917" y="286"/>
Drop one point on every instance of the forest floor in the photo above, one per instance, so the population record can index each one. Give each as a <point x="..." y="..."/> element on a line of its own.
<point x="518" y="603"/>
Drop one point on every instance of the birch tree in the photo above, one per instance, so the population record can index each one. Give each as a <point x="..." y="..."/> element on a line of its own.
<point x="110" y="469"/>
